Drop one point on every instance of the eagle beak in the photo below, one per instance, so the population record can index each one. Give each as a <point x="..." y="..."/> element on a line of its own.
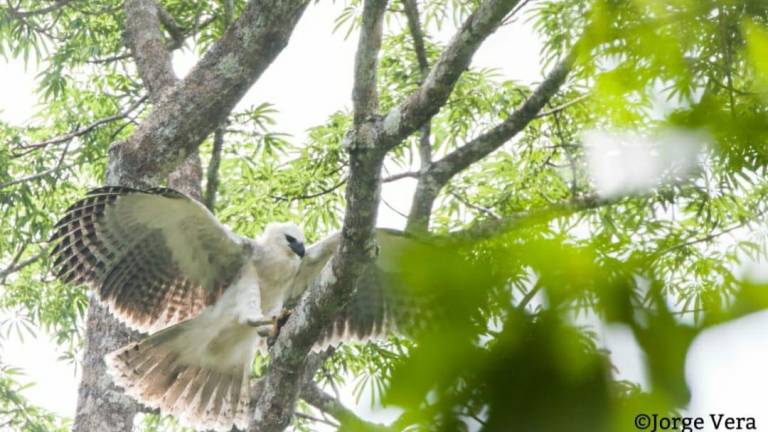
<point x="297" y="248"/>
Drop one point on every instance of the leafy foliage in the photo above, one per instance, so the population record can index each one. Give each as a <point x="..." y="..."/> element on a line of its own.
<point x="510" y="337"/>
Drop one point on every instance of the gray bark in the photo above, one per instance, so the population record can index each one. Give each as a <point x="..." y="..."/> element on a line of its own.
<point x="154" y="62"/>
<point x="439" y="173"/>
<point x="101" y="406"/>
<point x="184" y="113"/>
<point x="189" y="110"/>
<point x="418" y="217"/>
<point x="426" y="101"/>
<point x="192" y="109"/>
<point x="367" y="144"/>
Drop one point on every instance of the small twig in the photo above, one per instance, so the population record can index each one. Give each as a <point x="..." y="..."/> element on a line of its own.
<point x="469" y="204"/>
<point x="702" y="239"/>
<point x="315" y="396"/>
<point x="477" y="419"/>
<point x="109" y="59"/>
<point x="395" y="177"/>
<point x="332" y="382"/>
<point x="42" y="174"/>
<point x="58" y="4"/>
<point x="316" y="419"/>
<point x="311" y="196"/>
<point x="80" y="131"/>
<point x="571" y="159"/>
<point x="23" y="19"/>
<point x="411" y="10"/>
<point x="510" y="18"/>
<point x="485" y="228"/>
<point x="562" y="107"/>
<point x="212" y="174"/>
<point x="14" y="267"/>
<point x="14" y="260"/>
<point x="394" y="209"/>
<point x="529" y="296"/>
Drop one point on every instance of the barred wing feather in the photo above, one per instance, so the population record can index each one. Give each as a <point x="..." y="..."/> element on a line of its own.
<point x="381" y="303"/>
<point x="155" y="257"/>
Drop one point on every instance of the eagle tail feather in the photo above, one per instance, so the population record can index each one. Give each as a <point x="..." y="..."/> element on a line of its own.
<point x="153" y="372"/>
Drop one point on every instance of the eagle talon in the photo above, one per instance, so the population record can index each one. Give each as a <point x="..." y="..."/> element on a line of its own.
<point x="278" y="322"/>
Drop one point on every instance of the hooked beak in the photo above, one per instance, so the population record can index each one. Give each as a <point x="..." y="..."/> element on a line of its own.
<point x="297" y="248"/>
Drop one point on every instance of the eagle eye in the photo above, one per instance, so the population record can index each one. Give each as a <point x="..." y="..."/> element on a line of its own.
<point x="290" y="239"/>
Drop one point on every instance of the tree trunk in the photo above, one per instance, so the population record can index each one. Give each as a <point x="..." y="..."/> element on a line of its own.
<point x="165" y="144"/>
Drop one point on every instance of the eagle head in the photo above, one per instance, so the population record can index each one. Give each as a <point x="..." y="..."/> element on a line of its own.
<point x="284" y="236"/>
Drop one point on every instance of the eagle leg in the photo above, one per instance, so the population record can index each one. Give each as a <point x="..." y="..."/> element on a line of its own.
<point x="277" y="323"/>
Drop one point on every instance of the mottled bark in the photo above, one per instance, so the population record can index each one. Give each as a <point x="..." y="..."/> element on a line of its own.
<point x="421" y="205"/>
<point x="163" y="140"/>
<point x="188" y="177"/>
<point x="426" y="101"/>
<point x="193" y="108"/>
<point x="421" y="209"/>
<point x="440" y="172"/>
<point x="154" y="62"/>
<point x="145" y="39"/>
<point x="101" y="406"/>
<point x="212" y="173"/>
<point x="364" y="98"/>
<point x="367" y="144"/>
<point x="284" y="380"/>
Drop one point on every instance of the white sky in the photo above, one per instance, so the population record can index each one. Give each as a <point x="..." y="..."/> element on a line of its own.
<point x="312" y="79"/>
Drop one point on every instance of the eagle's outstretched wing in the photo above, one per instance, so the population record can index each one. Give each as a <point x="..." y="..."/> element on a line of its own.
<point x="380" y="304"/>
<point x="155" y="257"/>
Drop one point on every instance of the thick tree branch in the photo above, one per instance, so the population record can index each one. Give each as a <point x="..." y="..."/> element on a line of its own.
<point x="367" y="144"/>
<point x="484" y="228"/>
<point x="169" y="45"/>
<point x="183" y="115"/>
<point x="434" y="91"/>
<point x="440" y="172"/>
<point x="364" y="95"/>
<point x="417" y="34"/>
<point x="171" y="26"/>
<point x="193" y="108"/>
<point x="212" y="174"/>
<point x="188" y="176"/>
<point x="326" y="403"/>
<point x="563" y="107"/>
<point x="480" y="147"/>
<point x="147" y="44"/>
<point x="421" y="208"/>
<point x="154" y="63"/>
<point x="284" y="379"/>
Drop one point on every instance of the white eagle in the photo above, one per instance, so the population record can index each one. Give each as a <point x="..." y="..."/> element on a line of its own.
<point x="164" y="265"/>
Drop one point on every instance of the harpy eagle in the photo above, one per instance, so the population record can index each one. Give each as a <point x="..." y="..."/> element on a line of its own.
<point x="163" y="264"/>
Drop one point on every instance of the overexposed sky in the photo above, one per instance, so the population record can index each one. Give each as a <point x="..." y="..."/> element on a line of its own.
<point x="310" y="80"/>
